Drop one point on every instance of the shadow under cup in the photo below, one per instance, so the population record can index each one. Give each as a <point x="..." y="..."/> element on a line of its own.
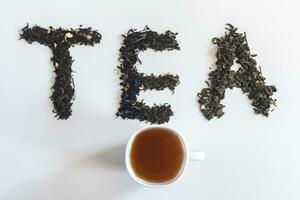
<point x="156" y="156"/>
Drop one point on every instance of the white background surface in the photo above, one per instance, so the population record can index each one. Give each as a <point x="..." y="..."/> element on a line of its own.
<point x="249" y="157"/>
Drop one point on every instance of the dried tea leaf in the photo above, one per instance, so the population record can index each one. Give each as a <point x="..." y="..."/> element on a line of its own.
<point x="233" y="47"/>
<point x="132" y="82"/>
<point x="59" y="41"/>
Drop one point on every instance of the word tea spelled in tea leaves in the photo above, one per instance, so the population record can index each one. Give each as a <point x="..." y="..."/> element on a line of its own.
<point x="59" y="41"/>
<point x="233" y="47"/>
<point x="132" y="82"/>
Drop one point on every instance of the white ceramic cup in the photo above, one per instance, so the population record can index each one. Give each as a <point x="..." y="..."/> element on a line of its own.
<point x="188" y="156"/>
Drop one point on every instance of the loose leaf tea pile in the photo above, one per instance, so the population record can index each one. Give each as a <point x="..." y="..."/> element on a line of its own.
<point x="132" y="82"/>
<point x="233" y="47"/>
<point x="59" y="41"/>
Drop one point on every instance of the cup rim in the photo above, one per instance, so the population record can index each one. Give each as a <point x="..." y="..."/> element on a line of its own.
<point x="144" y="182"/>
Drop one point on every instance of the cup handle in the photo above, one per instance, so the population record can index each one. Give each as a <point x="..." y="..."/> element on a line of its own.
<point x="196" y="156"/>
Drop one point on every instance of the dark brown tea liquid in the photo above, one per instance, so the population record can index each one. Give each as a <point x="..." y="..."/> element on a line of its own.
<point x="157" y="155"/>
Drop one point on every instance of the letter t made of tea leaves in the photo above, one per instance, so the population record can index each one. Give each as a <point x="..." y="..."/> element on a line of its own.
<point x="59" y="41"/>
